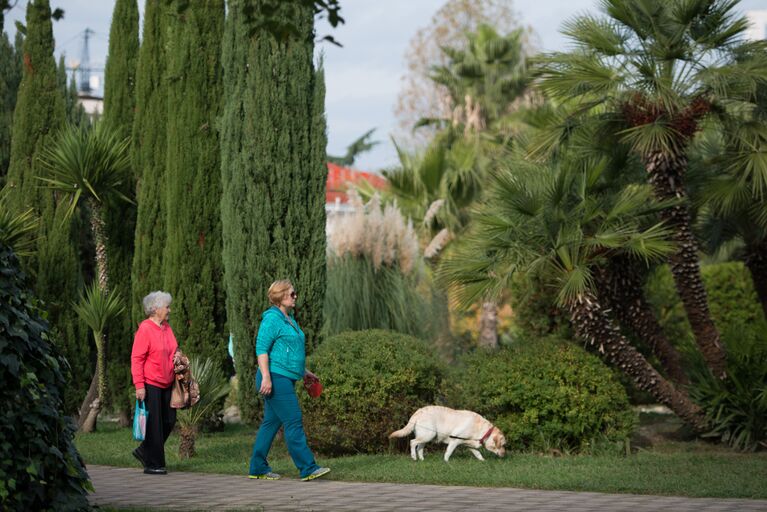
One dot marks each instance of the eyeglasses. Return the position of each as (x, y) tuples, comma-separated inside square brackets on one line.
[(293, 295)]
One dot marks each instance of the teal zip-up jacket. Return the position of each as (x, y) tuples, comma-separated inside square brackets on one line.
[(283, 342)]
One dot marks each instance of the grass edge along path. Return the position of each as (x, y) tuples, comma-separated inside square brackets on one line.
[(692, 469)]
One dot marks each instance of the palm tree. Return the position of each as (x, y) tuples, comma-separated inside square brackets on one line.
[(360, 145), (484, 79), (213, 388), (97, 309), (732, 170), (648, 73), (620, 283), (436, 188), (550, 222), (91, 166), (17, 229)]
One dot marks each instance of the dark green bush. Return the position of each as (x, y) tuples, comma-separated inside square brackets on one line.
[(40, 468), (542, 395), (736, 407), (373, 381)]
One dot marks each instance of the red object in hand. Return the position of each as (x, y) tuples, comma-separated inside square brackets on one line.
[(313, 386)]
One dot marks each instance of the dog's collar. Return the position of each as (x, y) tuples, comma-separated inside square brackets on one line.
[(487, 434)]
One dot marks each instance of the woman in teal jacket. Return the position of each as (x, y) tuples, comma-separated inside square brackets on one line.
[(281, 362)]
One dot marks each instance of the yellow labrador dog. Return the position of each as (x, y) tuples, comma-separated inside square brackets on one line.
[(454, 428)]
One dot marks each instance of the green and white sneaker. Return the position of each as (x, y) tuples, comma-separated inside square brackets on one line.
[(266, 476), (316, 474)]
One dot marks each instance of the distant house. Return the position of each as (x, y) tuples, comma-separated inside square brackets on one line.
[(336, 198)]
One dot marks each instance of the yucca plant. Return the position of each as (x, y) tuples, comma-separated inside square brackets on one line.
[(647, 74), (91, 166), (551, 221), (17, 229), (97, 309), (213, 389)]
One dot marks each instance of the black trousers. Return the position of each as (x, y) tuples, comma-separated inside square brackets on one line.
[(159, 425)]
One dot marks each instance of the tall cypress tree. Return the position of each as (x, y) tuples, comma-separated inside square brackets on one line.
[(149, 157), (120, 217), (38, 115), (75, 112), (39, 108), (192, 258), (10, 63), (273, 169), (120, 70)]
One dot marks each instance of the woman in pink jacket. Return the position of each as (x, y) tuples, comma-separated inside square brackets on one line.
[(152, 368)]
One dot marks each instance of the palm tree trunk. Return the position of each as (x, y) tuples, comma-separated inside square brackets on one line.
[(98, 228), (756, 262), (666, 177), (620, 286), (94, 401), (594, 326), (488, 325), (85, 407), (187, 437)]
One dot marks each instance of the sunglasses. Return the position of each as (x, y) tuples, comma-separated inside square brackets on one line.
[(293, 295)]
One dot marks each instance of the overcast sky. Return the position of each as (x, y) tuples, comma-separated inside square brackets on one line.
[(364, 77)]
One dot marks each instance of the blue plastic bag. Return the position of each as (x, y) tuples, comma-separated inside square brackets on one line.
[(139, 421)]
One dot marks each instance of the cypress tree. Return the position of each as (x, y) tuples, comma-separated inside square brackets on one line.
[(38, 115), (75, 113), (192, 257), (273, 169), (10, 63), (149, 156), (120, 217), (39, 108), (120, 70)]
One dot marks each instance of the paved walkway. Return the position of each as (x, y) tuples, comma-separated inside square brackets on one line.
[(127, 487)]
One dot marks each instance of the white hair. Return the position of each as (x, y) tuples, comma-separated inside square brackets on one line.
[(156, 300)]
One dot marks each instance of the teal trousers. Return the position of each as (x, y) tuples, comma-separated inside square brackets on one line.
[(281, 409)]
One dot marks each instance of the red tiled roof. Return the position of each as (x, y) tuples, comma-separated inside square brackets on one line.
[(339, 179)]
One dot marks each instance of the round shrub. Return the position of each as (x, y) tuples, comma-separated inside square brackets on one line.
[(543, 395), (373, 381)]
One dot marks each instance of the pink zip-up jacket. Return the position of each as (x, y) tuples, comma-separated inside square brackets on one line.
[(151, 360)]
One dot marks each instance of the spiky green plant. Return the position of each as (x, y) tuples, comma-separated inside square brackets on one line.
[(97, 309), (213, 389), (90, 165), (17, 229)]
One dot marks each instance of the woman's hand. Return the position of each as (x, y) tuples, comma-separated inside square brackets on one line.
[(141, 394), (266, 385)]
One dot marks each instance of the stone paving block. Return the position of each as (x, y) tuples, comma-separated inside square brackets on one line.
[(182, 491)]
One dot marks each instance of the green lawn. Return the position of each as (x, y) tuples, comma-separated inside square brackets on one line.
[(674, 468)]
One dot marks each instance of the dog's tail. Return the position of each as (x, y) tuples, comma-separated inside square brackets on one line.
[(407, 429)]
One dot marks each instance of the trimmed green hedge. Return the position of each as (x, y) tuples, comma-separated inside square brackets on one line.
[(373, 381), (543, 395)]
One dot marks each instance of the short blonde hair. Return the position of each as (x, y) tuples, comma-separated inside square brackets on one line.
[(155, 301), (277, 291)]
